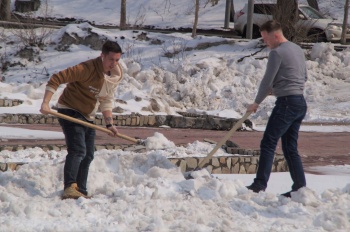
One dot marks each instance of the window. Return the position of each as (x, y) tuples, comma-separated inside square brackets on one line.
[(311, 13), (264, 9)]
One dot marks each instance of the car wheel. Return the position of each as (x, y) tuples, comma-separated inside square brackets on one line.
[(256, 32), (316, 35)]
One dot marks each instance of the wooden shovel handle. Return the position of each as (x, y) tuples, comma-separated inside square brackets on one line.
[(93, 126), (227, 136)]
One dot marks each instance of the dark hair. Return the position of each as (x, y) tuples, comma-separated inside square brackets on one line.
[(271, 26), (110, 46)]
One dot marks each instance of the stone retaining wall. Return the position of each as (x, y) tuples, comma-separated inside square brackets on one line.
[(184, 120), (10, 102), (242, 161), (206, 122)]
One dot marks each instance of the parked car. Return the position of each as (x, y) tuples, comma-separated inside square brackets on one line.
[(317, 26)]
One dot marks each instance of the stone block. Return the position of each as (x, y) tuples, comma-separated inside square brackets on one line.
[(209, 168), (49, 120), (233, 150), (134, 121), (228, 162), (225, 170), (252, 169), (8, 103), (142, 119), (235, 168), (215, 162), (242, 170), (223, 160), (191, 163), (145, 120), (254, 160), (281, 166), (217, 171), (99, 147), (183, 166), (160, 120), (152, 120), (3, 167), (234, 160)]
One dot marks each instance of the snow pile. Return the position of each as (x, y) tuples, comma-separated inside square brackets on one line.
[(145, 192), (158, 141)]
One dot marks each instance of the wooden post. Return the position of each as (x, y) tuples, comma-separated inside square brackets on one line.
[(249, 32), (345, 24), (227, 14)]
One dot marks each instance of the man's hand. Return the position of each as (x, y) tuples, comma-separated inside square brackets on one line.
[(253, 107), (45, 108), (114, 131)]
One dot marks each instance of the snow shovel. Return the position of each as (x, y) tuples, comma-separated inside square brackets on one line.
[(93, 126), (238, 124)]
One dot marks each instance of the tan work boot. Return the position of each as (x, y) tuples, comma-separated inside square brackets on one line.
[(72, 192)]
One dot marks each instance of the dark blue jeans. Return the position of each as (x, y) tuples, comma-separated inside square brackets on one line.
[(80, 142), (284, 122)]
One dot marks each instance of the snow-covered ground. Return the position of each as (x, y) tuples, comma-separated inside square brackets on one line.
[(144, 191)]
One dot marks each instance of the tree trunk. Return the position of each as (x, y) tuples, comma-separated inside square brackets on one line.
[(5, 10), (286, 13), (194, 30), (313, 4), (123, 25), (345, 22)]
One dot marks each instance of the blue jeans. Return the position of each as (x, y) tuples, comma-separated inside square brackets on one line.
[(80, 141), (285, 121)]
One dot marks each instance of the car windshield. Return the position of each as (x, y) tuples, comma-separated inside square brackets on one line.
[(311, 13)]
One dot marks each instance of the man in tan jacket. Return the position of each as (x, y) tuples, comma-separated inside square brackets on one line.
[(90, 85)]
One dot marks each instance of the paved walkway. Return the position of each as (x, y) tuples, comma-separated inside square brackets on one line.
[(316, 149)]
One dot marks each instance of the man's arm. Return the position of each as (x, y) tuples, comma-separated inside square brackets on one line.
[(265, 87), (109, 122), (45, 107)]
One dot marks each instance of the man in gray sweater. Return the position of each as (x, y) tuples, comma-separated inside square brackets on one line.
[(285, 77)]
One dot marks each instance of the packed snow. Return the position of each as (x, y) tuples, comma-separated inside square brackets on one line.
[(145, 191)]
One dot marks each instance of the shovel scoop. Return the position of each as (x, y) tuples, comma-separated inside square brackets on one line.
[(191, 175)]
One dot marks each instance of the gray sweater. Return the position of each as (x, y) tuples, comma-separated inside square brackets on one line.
[(285, 73)]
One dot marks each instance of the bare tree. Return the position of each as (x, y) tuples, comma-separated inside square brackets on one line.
[(5, 10), (287, 15), (123, 24), (313, 4), (346, 16), (196, 11), (32, 35)]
